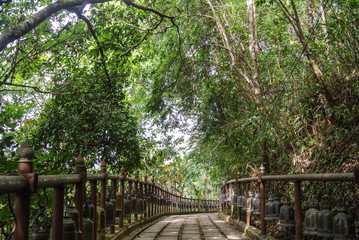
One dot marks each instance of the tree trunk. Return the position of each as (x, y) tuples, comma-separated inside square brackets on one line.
[(24, 27), (311, 57), (222, 33), (253, 46), (310, 18), (251, 86), (323, 22), (254, 53)]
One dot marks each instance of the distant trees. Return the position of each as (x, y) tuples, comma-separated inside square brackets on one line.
[(270, 81)]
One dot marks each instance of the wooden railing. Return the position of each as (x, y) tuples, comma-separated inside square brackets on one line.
[(259, 183), (155, 198)]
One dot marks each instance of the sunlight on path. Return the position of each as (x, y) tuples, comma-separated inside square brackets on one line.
[(204, 226)]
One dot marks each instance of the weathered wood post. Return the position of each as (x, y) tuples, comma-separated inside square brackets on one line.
[(198, 205), (298, 210), (166, 200), (136, 193), (58, 213), (79, 190), (114, 189), (232, 205), (164, 207), (122, 192), (141, 195), (191, 205), (248, 212), (170, 203), (223, 192), (262, 199), (147, 212), (103, 188), (152, 192), (158, 204), (130, 193), (177, 203), (94, 203), (237, 187), (23, 199), (227, 196), (173, 201), (161, 193)]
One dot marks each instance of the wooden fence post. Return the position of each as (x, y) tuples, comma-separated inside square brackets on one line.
[(114, 189), (79, 191), (262, 200), (136, 193), (23, 199), (298, 210), (103, 189), (122, 192), (147, 212)]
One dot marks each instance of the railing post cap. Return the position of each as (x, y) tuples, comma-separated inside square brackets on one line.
[(79, 160), (103, 167), (25, 151), (122, 171), (103, 164), (262, 169)]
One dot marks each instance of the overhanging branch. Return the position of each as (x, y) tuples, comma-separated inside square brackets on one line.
[(139, 42), (37, 89), (5, 1), (103, 58), (19, 30), (36, 19), (147, 9)]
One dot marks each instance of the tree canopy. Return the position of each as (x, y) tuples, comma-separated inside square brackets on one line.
[(250, 82)]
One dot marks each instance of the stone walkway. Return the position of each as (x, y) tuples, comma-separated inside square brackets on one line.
[(205, 226)]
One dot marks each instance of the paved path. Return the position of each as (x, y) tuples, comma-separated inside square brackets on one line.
[(205, 226)]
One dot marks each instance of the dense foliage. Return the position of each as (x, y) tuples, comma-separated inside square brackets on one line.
[(272, 82), (301, 113)]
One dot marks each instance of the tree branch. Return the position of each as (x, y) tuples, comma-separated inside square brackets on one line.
[(196, 15), (147, 9), (33, 52), (103, 58), (139, 42), (19, 30), (5, 1), (295, 22), (163, 30), (218, 45), (133, 26), (179, 38), (135, 45), (138, 28), (83, 51), (160, 14), (36, 19), (36, 89)]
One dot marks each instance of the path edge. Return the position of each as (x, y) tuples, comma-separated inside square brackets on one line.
[(249, 231)]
